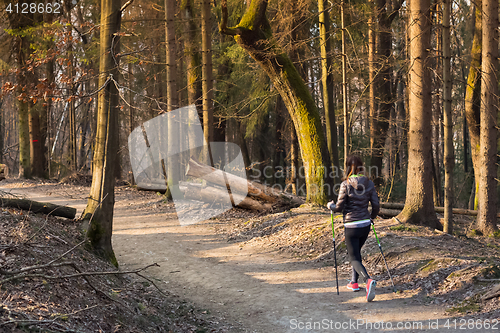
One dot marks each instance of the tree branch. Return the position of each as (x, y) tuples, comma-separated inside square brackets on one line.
[(223, 29), (20, 274), (125, 5)]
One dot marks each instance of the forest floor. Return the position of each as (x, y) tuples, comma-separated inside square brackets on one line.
[(240, 271)]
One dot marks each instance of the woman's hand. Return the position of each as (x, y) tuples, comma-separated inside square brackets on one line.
[(331, 205)]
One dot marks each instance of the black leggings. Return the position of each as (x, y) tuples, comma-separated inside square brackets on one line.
[(354, 240)]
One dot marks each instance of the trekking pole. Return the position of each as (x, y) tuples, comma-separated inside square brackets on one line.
[(335, 253), (380, 247)]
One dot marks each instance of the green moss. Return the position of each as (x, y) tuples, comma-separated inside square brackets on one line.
[(465, 307), (474, 233), (430, 266), (496, 234)]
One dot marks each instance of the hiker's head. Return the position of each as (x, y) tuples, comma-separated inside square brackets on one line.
[(353, 166)]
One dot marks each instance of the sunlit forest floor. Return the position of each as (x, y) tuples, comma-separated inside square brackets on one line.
[(455, 274), (429, 266), (34, 297)]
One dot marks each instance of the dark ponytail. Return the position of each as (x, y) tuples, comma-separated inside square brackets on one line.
[(353, 166)]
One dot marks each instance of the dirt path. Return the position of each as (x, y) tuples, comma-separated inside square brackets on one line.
[(261, 292)]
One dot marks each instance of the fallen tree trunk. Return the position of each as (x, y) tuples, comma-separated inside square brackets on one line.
[(495, 292), (458, 211), (210, 194), (39, 207), (238, 185), (384, 212)]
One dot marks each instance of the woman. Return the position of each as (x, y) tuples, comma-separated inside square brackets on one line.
[(356, 191)]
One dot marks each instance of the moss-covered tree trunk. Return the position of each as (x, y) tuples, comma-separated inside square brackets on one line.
[(473, 95), (99, 210), (253, 33), (487, 189), (191, 53), (419, 206)]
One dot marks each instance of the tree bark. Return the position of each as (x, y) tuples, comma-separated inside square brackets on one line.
[(473, 95), (449, 156), (99, 210), (487, 190), (380, 84), (192, 54), (207, 78), (327, 82), (419, 207), (212, 194), (253, 33), (36, 144), (347, 128), (172, 97), (39, 207), (233, 183)]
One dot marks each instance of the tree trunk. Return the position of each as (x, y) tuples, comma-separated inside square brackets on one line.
[(373, 78), (24, 139), (72, 147), (449, 156), (419, 207), (473, 95), (192, 55), (172, 97), (327, 82), (347, 128), (487, 193), (253, 33), (99, 210), (36, 144), (23, 110), (39, 207), (207, 81), (380, 84)]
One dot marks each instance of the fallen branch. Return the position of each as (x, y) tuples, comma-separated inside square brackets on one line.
[(39, 207), (69, 276), (495, 292), (392, 207)]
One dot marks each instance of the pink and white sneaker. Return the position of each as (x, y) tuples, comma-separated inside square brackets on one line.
[(353, 286), (370, 289)]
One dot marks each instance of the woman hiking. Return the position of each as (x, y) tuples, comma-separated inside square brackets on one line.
[(356, 191)]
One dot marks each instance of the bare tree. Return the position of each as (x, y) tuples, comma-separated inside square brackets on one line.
[(99, 210), (449, 156), (207, 75), (419, 206), (487, 190), (327, 82)]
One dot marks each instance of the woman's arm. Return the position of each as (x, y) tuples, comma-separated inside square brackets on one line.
[(341, 200)]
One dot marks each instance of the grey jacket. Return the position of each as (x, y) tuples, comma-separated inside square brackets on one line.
[(354, 196)]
